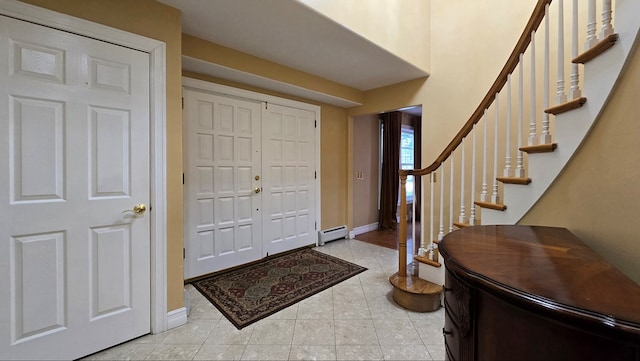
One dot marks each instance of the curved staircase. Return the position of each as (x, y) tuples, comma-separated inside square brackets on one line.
[(523, 125)]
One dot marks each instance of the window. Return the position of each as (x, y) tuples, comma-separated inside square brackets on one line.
[(406, 157)]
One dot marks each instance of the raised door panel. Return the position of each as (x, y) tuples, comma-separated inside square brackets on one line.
[(37, 285)]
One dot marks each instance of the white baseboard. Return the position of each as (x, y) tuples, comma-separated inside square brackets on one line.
[(363, 229), (176, 318)]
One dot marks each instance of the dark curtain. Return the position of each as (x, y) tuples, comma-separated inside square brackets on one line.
[(416, 122), (392, 127)]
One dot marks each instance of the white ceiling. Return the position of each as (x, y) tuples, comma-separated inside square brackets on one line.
[(289, 33)]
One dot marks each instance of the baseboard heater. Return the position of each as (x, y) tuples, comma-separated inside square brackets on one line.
[(332, 234)]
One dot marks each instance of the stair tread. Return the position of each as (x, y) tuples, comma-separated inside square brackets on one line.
[(540, 148), (460, 224), (496, 206), (514, 180), (414, 284), (566, 106), (426, 260), (596, 50)]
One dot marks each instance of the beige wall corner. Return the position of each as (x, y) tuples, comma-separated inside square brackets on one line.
[(596, 197), (403, 27), (157, 21), (217, 54)]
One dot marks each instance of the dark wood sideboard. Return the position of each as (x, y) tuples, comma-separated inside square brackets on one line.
[(535, 293)]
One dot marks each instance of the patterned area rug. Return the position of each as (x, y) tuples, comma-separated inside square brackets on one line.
[(250, 293)]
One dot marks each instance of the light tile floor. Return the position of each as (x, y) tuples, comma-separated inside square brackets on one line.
[(354, 320)]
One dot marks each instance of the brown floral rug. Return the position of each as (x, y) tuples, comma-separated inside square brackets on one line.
[(250, 293)]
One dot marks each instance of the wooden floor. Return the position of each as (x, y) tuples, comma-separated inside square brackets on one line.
[(389, 239)]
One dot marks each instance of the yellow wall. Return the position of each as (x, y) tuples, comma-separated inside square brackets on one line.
[(334, 157), (400, 26), (596, 197), (154, 20)]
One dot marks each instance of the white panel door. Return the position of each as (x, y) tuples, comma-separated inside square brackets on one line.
[(74, 154), (222, 155), (289, 178)]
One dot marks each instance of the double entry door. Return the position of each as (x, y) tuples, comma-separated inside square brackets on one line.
[(249, 180)]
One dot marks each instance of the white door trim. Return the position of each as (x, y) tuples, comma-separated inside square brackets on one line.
[(157, 61), (251, 95)]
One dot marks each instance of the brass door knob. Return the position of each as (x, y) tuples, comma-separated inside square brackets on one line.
[(137, 209), (256, 190)]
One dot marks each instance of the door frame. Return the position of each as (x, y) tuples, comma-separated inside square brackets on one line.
[(157, 131), (219, 89)]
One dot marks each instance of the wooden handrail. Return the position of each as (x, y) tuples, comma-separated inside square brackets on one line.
[(509, 67), (511, 64)]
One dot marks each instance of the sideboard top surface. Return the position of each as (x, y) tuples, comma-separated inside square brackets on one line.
[(548, 264)]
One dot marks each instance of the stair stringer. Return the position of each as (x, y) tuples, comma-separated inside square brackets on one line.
[(572, 128)]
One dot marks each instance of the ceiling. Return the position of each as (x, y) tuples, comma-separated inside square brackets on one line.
[(289, 33)]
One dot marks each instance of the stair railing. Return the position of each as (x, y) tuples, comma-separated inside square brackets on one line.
[(538, 134)]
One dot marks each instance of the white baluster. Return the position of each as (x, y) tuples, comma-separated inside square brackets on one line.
[(484, 195), (472, 216), (431, 229), (519, 166), (451, 194), (532, 120), (423, 244), (561, 97), (507, 158), (494, 194), (592, 26), (462, 215), (607, 29), (574, 91), (413, 214), (545, 137), (441, 228)]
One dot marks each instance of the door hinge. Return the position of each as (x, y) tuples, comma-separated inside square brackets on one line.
[(315, 225), (182, 103), (315, 123), (183, 178), (315, 175), (184, 253)]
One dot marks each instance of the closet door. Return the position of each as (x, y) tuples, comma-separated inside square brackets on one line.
[(222, 187), (288, 216), (74, 190)]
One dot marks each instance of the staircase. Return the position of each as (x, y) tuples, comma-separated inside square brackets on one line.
[(527, 127)]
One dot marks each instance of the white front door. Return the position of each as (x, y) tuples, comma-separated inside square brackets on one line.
[(74, 161), (288, 198), (250, 183), (222, 155)]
